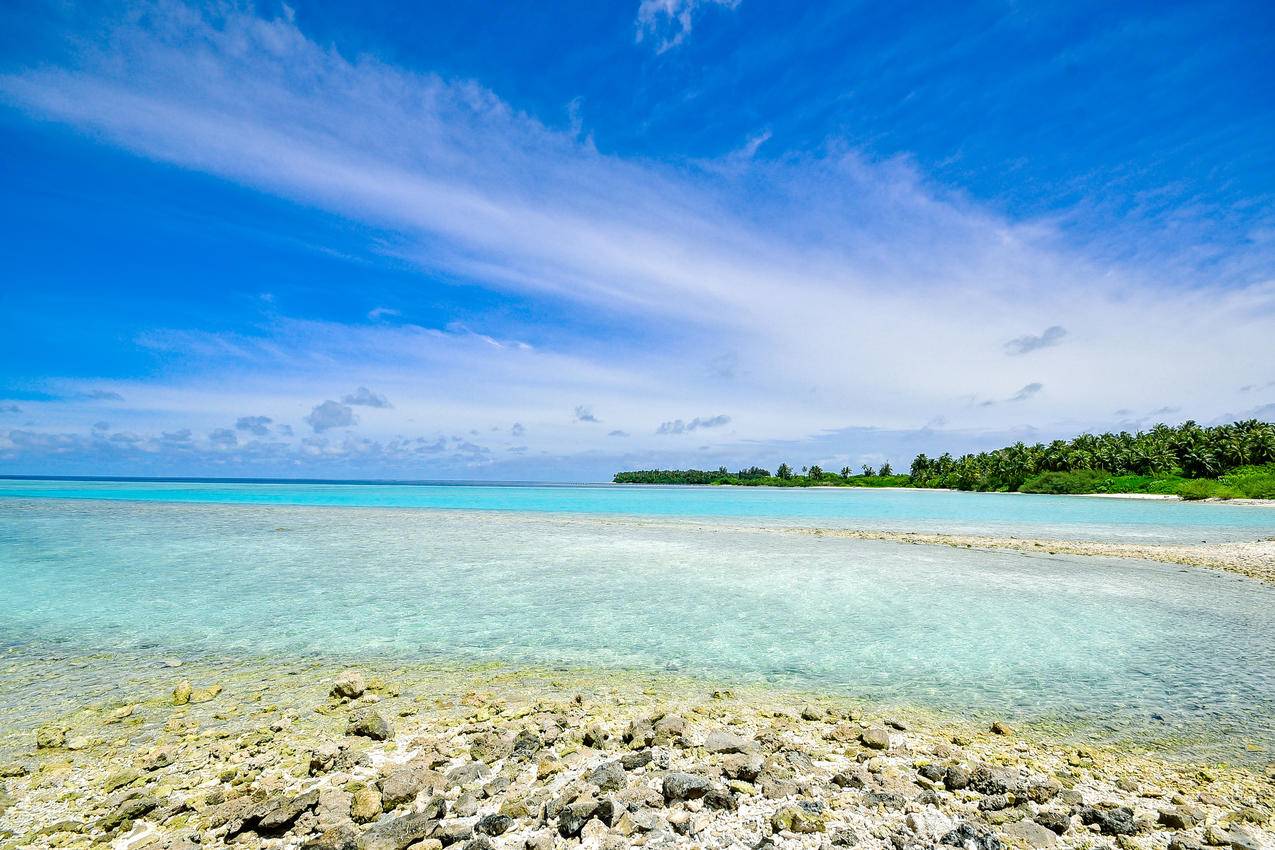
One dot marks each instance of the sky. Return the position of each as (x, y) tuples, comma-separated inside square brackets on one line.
[(530, 241)]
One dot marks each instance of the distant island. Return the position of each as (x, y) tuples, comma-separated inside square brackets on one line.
[(1191, 461)]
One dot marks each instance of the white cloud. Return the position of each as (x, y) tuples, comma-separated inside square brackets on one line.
[(330, 414), (864, 294), (667, 23)]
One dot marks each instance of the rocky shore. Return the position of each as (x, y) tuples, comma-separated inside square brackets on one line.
[(389, 759)]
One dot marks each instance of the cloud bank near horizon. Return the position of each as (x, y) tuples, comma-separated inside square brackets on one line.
[(805, 294)]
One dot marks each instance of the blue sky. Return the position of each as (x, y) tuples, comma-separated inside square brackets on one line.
[(523, 242)]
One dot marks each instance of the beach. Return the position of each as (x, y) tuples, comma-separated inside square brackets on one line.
[(181, 673), (307, 755)]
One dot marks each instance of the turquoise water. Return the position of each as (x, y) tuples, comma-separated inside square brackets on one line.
[(1126, 649), (1074, 517)]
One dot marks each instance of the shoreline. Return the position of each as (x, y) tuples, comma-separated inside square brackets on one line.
[(1252, 559), (535, 758)]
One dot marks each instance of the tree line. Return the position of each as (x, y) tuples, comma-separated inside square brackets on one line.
[(1188, 459), (1187, 450)]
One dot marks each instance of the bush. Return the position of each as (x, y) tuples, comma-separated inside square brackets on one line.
[(1207, 488), (1074, 483), (1252, 482)]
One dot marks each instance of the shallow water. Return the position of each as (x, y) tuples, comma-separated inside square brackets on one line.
[(1126, 649), (1064, 517)]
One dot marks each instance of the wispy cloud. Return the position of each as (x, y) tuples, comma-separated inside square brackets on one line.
[(667, 23), (1027, 392), (1052, 335), (678, 426), (584, 413), (811, 257)]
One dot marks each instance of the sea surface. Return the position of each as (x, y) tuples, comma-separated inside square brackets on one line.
[(703, 582), (1026, 515)]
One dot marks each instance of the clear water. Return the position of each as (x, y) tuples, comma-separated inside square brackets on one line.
[(1072, 517), (1124, 648)]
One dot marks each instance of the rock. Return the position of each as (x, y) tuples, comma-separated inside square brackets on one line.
[(875, 738), (885, 799), (205, 694), (987, 780), (436, 808), (50, 737), (349, 684), (13, 770), (397, 833), (798, 820), (632, 761), (369, 724), (339, 837), (570, 822), (526, 744), (1044, 790), (994, 803), (494, 825), (1110, 821), (929, 823), (743, 766), (366, 804), (595, 736), (488, 747), (1002, 728), (725, 742), (854, 778), (1031, 833), (127, 812), (403, 782), (669, 728), (1236, 837), (593, 832), (467, 774), (119, 778), (813, 713), (159, 757), (283, 812), (541, 840), (322, 758), (957, 778), (721, 799), (1056, 822), (181, 693), (684, 786), (969, 838), (608, 777), (932, 772), (1183, 842), (466, 805), (1177, 818)]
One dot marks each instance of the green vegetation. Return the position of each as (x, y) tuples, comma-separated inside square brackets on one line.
[(1226, 461), (1194, 462)]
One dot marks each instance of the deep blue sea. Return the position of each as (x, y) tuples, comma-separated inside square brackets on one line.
[(705, 581)]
